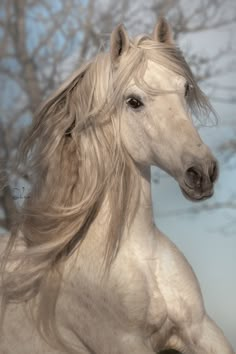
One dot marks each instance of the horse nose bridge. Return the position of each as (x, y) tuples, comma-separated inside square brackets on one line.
[(199, 156), (202, 150), (190, 133)]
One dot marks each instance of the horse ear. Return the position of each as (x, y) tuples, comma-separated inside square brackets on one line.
[(119, 42), (162, 32)]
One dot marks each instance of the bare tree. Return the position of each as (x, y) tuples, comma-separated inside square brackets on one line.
[(40, 40)]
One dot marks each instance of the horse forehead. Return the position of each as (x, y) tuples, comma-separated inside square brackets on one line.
[(158, 76)]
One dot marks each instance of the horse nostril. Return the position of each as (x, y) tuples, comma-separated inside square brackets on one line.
[(213, 174), (193, 177)]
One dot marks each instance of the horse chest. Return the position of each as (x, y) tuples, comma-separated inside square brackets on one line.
[(138, 297), (127, 302)]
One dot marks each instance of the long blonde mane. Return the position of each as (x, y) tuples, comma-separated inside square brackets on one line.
[(75, 159)]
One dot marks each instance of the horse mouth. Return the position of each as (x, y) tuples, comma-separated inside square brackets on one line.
[(195, 196)]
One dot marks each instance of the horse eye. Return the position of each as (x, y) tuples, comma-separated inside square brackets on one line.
[(134, 102), (187, 89)]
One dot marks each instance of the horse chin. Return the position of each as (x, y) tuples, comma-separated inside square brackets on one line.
[(195, 196)]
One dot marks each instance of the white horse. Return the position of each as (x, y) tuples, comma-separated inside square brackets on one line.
[(86, 270)]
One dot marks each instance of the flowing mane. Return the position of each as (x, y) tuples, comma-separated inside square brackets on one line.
[(75, 157)]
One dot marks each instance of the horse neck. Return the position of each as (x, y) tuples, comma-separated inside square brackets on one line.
[(136, 232), (143, 220)]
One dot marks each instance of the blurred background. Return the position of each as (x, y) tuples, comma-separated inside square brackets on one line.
[(43, 41)]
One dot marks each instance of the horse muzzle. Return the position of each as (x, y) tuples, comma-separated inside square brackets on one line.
[(198, 181)]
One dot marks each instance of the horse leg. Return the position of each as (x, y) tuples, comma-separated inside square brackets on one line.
[(207, 339), (140, 349)]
